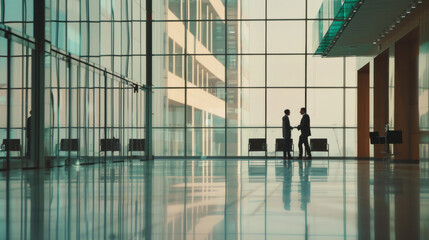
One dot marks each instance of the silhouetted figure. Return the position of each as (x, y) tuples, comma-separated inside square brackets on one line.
[(304, 127), (287, 135), (28, 126)]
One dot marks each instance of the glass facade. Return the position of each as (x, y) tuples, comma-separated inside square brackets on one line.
[(223, 72), (93, 85)]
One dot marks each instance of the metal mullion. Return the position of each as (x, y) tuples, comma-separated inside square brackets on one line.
[(202, 88), (86, 118), (23, 96), (79, 104), (344, 106), (105, 114), (8, 107), (238, 20), (306, 52), (266, 80), (226, 79), (93, 117), (226, 116), (130, 109), (240, 87), (122, 123), (185, 74), (66, 23), (112, 35), (149, 83), (221, 54), (265, 127), (69, 66), (26, 90)]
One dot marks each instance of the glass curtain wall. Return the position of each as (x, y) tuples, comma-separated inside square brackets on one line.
[(105, 102), (224, 71), (94, 80)]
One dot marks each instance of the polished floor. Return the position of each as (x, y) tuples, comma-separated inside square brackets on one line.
[(217, 199)]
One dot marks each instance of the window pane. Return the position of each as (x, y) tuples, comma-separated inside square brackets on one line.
[(206, 37), (335, 141), (206, 107), (252, 107), (281, 99), (164, 33), (253, 72), (169, 142), (205, 142), (286, 9), (325, 72), (169, 108), (313, 8), (286, 71), (250, 39), (351, 142), (238, 140), (351, 107), (252, 9), (286, 37), (351, 72), (164, 71), (325, 107), (205, 71)]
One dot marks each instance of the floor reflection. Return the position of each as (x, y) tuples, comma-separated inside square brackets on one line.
[(217, 199)]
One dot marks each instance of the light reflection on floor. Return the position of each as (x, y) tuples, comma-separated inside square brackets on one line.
[(217, 199)]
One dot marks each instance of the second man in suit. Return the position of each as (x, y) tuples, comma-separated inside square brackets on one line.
[(304, 127)]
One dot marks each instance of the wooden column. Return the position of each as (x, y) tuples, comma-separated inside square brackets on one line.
[(363, 112), (406, 96), (381, 98)]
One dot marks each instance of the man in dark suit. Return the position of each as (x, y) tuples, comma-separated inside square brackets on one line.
[(304, 127), (287, 135)]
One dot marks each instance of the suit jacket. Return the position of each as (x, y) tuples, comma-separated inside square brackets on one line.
[(304, 126), (286, 127)]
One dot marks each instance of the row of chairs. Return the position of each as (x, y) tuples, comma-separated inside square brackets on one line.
[(72, 144), (260, 145), (113, 145)]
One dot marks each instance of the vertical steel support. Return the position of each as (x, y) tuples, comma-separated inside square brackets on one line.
[(38, 88), (149, 84), (8, 101)]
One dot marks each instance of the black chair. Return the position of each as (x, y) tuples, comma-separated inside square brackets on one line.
[(280, 146), (12, 145), (376, 138), (69, 144), (319, 145), (110, 145), (257, 145), (136, 145), (394, 137)]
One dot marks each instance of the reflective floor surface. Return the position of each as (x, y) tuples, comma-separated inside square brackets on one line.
[(217, 199)]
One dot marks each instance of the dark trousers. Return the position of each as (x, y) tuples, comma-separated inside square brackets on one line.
[(286, 147), (304, 140)]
